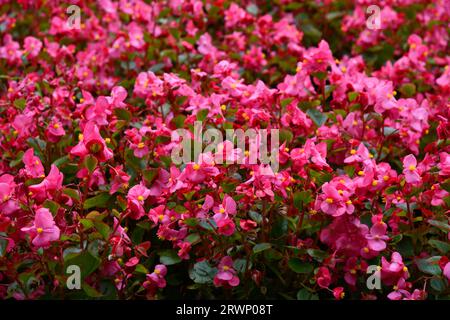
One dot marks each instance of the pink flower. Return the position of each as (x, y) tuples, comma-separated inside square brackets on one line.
[(323, 277), (391, 272), (338, 293), (136, 198), (224, 224), (447, 271), (156, 278), (226, 274), (197, 173), (33, 165), (377, 237), (44, 229), (48, 187), (91, 142), (32, 46), (228, 206), (410, 169), (55, 130)]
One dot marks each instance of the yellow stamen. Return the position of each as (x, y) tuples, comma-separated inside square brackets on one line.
[(329, 200), (39, 230)]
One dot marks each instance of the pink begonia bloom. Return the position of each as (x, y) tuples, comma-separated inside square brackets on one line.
[(323, 277), (44, 229), (91, 142), (98, 112), (333, 201), (377, 237), (360, 155), (7, 186), (117, 98), (447, 271), (228, 206), (199, 172), (392, 271), (226, 274), (224, 224), (148, 84), (157, 214), (47, 188), (156, 278), (410, 169), (136, 35), (174, 183), (119, 179), (54, 130), (136, 197), (33, 165), (32, 46), (444, 164)]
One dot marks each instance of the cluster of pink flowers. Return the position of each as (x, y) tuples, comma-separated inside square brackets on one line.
[(89, 119)]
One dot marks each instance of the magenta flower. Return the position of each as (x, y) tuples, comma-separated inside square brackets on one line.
[(44, 230), (226, 274), (156, 278), (91, 142), (410, 169), (33, 165), (377, 237), (48, 187)]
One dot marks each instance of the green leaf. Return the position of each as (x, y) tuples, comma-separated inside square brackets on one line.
[(3, 246), (98, 201), (169, 257), (201, 115), (437, 284), (440, 225), (298, 266), (302, 198), (90, 291), (123, 114), (285, 136), (352, 96), (141, 269), (408, 90), (20, 103), (90, 162), (317, 254), (429, 265), (442, 246), (305, 294), (103, 229), (193, 238), (261, 247), (72, 193), (202, 273), (85, 260), (387, 131), (318, 117)]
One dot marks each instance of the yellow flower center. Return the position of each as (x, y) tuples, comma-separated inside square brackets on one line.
[(39, 230), (140, 198), (348, 202), (223, 107), (412, 168), (385, 178), (196, 166), (56, 126), (157, 271), (141, 145), (221, 210), (161, 217), (329, 200), (353, 151), (360, 173), (374, 183), (226, 268)]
